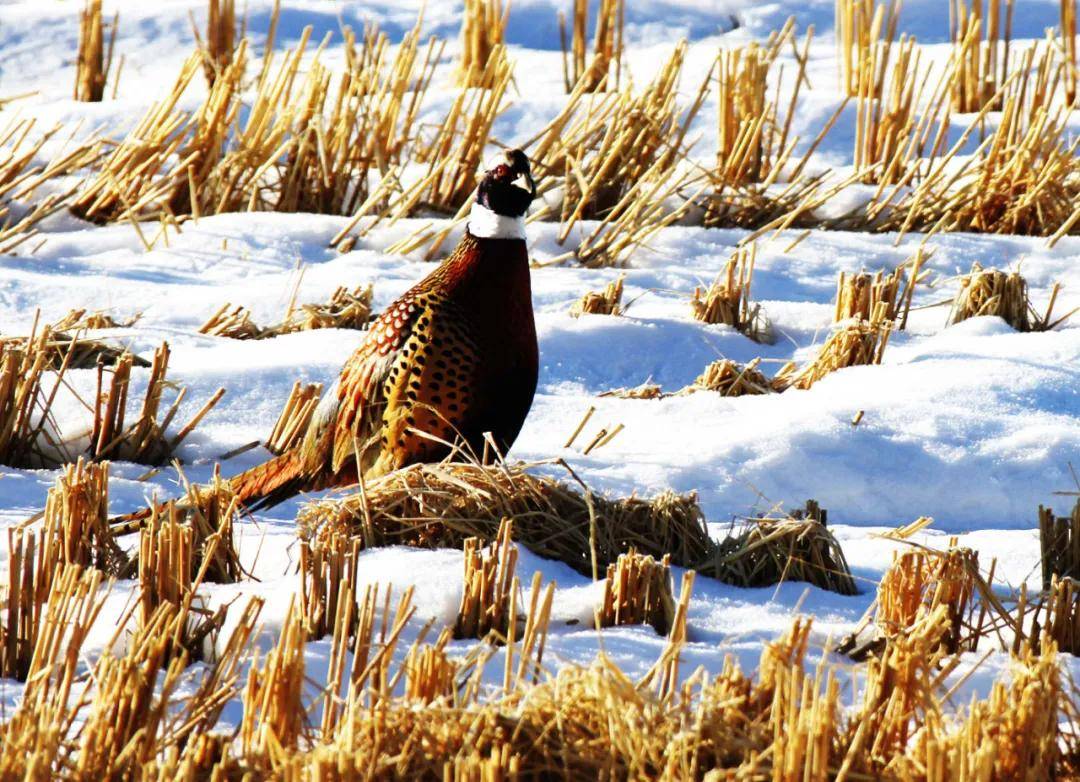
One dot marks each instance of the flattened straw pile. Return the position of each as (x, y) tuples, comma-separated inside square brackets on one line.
[(728, 378), (293, 422), (144, 440), (440, 505), (1001, 294), (638, 591), (770, 551), (593, 76), (483, 28), (607, 302), (976, 33), (345, 310), (490, 585), (860, 26), (727, 300), (95, 56), (1059, 540), (857, 342)]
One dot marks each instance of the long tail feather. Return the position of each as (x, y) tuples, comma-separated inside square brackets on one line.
[(271, 482)]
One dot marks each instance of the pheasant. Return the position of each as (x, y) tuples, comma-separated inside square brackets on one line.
[(454, 357)]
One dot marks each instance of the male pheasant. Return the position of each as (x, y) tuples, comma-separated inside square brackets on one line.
[(454, 358)]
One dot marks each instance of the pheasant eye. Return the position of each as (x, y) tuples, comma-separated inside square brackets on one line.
[(501, 171)]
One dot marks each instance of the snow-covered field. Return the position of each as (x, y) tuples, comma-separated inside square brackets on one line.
[(974, 425)]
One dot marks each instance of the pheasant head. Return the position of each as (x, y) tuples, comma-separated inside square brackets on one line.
[(501, 203)]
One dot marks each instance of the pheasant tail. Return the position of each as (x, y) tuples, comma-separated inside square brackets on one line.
[(271, 482)]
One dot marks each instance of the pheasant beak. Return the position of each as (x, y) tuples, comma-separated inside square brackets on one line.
[(519, 164)]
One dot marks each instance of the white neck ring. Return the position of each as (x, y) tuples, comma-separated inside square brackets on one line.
[(485, 224)]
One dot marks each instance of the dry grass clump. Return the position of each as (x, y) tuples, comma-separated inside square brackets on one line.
[(1057, 618), (22, 424), (43, 601), (144, 439), (293, 422), (1021, 180), (594, 76), (82, 319), (490, 584), (919, 582), (1013, 734), (65, 351), (861, 25), (483, 28), (438, 505), (638, 591), (584, 722), (858, 295), (345, 309), (1068, 45), (890, 137), (328, 585), (130, 179), (615, 159), (1001, 294), (301, 142), (1059, 541), (95, 56), (274, 716), (21, 175), (219, 48), (856, 343), (753, 144), (606, 302), (770, 551), (727, 300), (646, 390), (729, 378), (982, 64), (455, 153), (76, 520), (232, 322), (121, 719)]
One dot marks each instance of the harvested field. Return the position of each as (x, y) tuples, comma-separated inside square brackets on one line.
[(777, 251)]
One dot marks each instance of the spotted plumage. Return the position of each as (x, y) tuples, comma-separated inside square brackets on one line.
[(452, 359)]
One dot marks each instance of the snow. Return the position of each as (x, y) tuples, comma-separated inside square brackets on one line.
[(974, 425)]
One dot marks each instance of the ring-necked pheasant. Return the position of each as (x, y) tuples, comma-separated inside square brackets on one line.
[(455, 356)]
